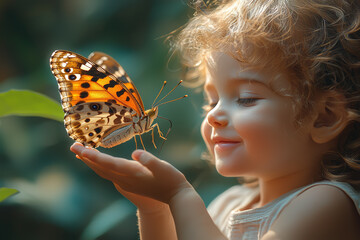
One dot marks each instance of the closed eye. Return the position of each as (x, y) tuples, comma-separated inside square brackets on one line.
[(247, 101)]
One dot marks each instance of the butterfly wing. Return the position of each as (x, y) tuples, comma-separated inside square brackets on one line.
[(91, 122), (81, 80), (112, 66), (94, 101)]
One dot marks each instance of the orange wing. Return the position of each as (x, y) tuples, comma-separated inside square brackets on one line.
[(81, 80), (110, 65)]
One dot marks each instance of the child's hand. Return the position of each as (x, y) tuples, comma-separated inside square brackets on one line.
[(147, 177)]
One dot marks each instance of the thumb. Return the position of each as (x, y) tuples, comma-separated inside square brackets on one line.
[(147, 159)]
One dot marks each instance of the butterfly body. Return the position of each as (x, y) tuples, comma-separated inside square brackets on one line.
[(102, 106), (124, 134)]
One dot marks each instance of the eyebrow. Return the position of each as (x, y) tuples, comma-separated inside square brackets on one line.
[(237, 79), (248, 80), (260, 82)]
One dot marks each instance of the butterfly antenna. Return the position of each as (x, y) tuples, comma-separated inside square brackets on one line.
[(168, 93), (172, 100), (166, 133), (152, 106)]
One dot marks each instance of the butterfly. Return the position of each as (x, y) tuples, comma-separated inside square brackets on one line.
[(101, 104)]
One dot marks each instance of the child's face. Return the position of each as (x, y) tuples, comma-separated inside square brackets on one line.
[(250, 128)]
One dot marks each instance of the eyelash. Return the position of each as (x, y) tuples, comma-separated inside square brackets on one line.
[(240, 101), (245, 101)]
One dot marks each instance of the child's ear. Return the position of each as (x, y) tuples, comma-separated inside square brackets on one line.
[(330, 117)]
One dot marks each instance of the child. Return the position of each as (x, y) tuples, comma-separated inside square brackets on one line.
[(282, 79)]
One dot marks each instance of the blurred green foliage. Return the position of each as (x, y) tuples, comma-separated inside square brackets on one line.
[(60, 198), (6, 193), (29, 103)]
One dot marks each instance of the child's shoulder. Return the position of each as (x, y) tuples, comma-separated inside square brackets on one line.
[(323, 211), (233, 198), (236, 194)]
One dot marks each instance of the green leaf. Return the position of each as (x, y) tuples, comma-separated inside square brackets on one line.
[(7, 192), (106, 219), (29, 103)]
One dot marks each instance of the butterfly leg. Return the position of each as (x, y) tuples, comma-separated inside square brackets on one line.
[(135, 142), (159, 131), (152, 137), (142, 143)]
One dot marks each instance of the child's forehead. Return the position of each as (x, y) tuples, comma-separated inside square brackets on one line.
[(223, 68)]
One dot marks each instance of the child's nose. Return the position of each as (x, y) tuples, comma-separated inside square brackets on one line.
[(217, 118)]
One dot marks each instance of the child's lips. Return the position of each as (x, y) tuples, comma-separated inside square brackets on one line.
[(225, 145), (222, 144)]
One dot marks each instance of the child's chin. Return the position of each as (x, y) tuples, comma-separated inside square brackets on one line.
[(229, 170)]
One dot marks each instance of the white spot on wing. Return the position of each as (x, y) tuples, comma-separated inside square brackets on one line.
[(88, 64), (102, 60), (100, 70), (85, 67), (121, 71)]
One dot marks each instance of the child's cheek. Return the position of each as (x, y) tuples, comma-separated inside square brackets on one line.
[(262, 133)]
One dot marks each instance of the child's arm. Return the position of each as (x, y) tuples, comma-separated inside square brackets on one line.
[(162, 187), (154, 217)]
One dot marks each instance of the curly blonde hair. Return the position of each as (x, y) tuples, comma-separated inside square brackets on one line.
[(318, 41)]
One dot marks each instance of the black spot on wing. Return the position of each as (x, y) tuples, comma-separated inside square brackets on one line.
[(95, 106), (80, 107), (98, 130), (111, 101), (84, 94), (112, 110), (96, 73), (121, 92), (111, 84), (85, 85)]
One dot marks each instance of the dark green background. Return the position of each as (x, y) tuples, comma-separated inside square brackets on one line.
[(60, 198)]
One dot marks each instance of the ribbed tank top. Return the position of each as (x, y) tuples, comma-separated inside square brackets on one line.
[(254, 223)]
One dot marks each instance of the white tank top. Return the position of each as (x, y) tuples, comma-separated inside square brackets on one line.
[(254, 223)]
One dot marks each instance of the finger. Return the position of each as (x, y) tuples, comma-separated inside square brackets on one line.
[(97, 169), (87, 147), (77, 148), (119, 165), (107, 174), (150, 161)]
